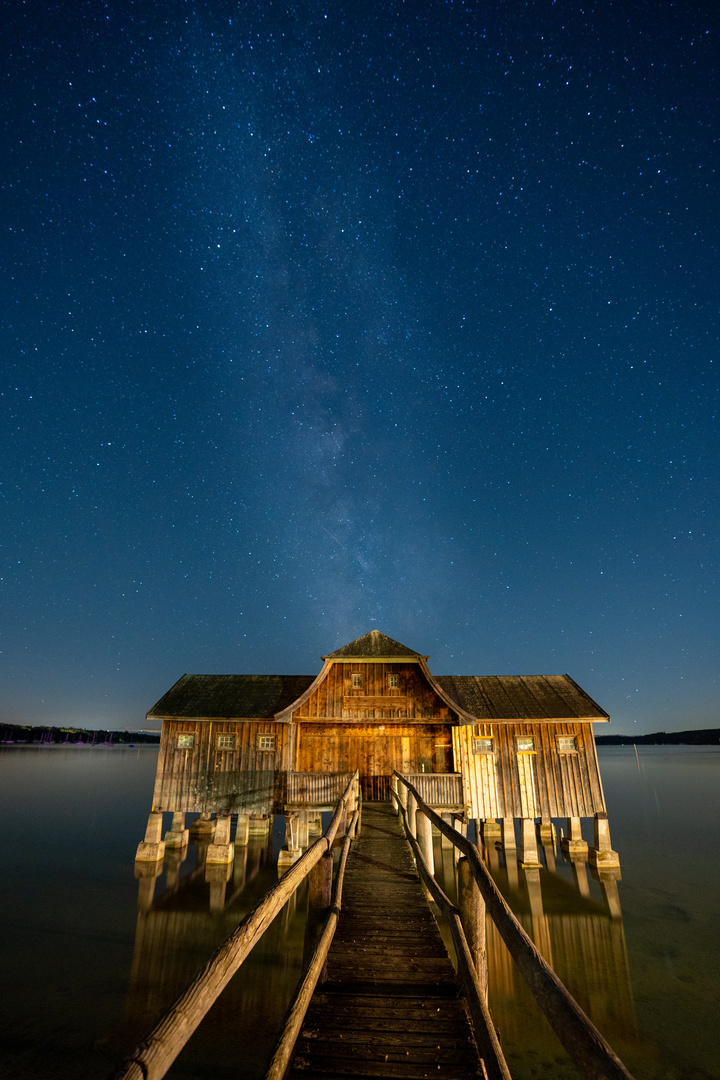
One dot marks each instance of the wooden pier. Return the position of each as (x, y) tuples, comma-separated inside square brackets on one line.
[(390, 1005)]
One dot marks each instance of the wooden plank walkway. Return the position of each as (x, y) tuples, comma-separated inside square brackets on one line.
[(389, 1007)]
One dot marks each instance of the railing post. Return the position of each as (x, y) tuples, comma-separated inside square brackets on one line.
[(472, 912), (425, 840)]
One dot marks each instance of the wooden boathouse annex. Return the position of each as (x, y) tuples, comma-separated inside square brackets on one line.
[(496, 747)]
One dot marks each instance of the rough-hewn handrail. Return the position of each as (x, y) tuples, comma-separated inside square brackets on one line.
[(156, 1053), (301, 1002), (483, 1028), (591, 1053)]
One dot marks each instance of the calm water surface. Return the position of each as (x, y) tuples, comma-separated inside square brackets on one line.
[(84, 973)]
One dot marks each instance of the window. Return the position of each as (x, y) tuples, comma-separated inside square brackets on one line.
[(525, 744), (567, 744), (186, 742), (356, 680), (393, 681), (226, 742), (482, 746), (266, 742)]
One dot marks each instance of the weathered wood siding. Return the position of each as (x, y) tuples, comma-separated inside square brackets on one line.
[(374, 699), (208, 777), (546, 782), (375, 750)]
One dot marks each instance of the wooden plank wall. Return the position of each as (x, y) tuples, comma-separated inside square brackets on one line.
[(565, 784), (204, 778), (375, 699)]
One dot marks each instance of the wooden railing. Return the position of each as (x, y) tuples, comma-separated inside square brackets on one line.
[(315, 788), (156, 1053), (439, 789), (592, 1055)]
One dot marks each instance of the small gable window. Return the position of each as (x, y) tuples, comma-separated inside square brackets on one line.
[(482, 746), (185, 741), (356, 679), (226, 742), (393, 681), (266, 742), (567, 744)]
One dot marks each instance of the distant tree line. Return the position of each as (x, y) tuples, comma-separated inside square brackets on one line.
[(22, 733), (698, 737)]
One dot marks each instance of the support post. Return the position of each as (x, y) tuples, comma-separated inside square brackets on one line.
[(292, 850), (508, 834), (602, 855), (472, 913), (259, 825), (528, 849), (445, 841), (573, 844), (242, 830), (221, 850), (425, 839), (203, 828), (545, 832), (152, 848), (177, 836), (302, 830), (490, 831)]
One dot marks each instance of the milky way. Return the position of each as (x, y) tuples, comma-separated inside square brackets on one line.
[(330, 317)]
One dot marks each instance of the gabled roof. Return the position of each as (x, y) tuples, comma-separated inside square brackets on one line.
[(521, 697), (227, 696), (372, 646)]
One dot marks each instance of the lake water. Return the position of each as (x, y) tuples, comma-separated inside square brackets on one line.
[(84, 973)]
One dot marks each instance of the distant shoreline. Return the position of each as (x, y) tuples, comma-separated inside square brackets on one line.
[(697, 737), (28, 735)]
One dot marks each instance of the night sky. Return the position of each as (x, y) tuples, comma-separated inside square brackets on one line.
[(321, 318)]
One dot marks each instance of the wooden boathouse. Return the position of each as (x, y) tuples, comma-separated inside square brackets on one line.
[(497, 747), (422, 754)]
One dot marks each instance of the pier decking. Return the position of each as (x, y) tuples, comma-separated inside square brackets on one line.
[(390, 1005)]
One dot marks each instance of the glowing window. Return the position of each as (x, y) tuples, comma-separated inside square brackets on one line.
[(266, 742), (566, 743), (185, 742), (226, 742), (525, 744)]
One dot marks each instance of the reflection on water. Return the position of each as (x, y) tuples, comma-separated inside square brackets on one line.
[(93, 954), (572, 913), (186, 908)]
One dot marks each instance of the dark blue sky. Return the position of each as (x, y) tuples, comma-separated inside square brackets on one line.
[(327, 317)]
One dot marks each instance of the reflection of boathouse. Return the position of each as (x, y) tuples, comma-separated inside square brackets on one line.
[(509, 746)]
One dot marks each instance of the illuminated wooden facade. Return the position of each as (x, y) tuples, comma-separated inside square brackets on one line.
[(523, 745)]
